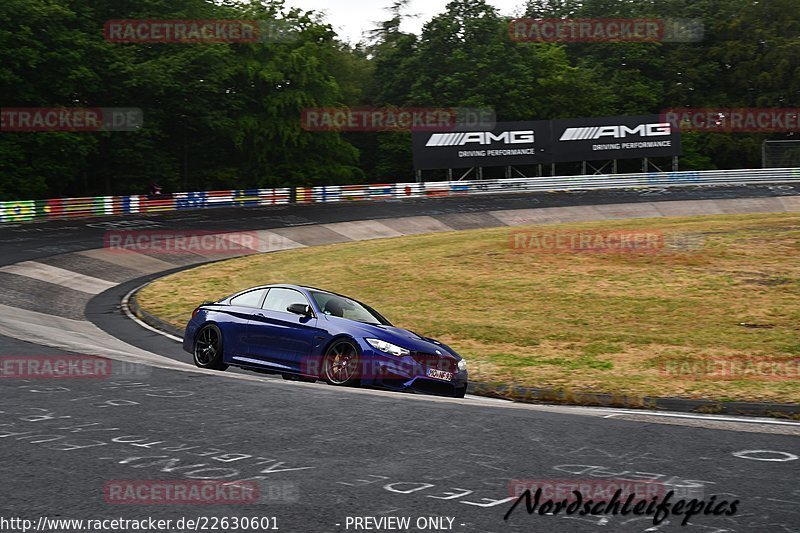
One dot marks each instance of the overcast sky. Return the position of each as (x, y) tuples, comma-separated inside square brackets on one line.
[(351, 17)]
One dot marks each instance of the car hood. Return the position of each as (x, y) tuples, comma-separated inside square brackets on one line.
[(399, 336)]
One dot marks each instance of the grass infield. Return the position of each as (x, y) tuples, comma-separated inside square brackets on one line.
[(706, 307)]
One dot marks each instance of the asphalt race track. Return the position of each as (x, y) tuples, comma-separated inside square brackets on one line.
[(320, 455)]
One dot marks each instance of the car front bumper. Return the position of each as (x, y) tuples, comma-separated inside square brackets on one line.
[(406, 373)]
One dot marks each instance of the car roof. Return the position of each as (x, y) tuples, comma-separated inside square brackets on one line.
[(299, 287)]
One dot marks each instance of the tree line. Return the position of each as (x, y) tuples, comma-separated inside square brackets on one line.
[(228, 115)]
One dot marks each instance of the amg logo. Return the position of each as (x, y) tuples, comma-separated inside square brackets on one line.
[(480, 137), (616, 132)]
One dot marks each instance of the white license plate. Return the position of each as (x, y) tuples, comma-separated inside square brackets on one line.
[(440, 374)]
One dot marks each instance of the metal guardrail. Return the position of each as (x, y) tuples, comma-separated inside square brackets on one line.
[(609, 181), (666, 179), (59, 208)]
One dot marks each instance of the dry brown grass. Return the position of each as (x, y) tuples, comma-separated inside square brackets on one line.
[(600, 322)]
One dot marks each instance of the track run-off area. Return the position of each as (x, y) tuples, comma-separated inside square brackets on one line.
[(323, 456)]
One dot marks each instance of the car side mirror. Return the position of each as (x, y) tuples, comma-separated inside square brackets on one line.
[(300, 309)]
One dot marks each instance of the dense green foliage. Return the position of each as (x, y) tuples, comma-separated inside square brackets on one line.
[(228, 115)]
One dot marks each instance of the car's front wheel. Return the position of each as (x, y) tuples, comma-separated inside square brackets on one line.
[(341, 363), (208, 348)]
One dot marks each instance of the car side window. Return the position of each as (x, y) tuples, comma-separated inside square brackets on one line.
[(250, 298), (279, 299)]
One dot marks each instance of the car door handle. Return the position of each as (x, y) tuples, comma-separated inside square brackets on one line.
[(260, 315)]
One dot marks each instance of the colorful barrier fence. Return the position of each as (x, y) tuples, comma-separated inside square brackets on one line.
[(59, 208)]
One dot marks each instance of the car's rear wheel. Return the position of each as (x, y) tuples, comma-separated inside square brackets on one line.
[(341, 363), (208, 348)]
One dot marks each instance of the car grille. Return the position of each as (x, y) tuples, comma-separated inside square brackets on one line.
[(439, 362)]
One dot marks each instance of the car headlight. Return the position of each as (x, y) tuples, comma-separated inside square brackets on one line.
[(462, 366), (388, 347)]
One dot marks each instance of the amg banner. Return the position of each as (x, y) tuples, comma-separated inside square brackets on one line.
[(507, 143), (627, 137), (545, 141)]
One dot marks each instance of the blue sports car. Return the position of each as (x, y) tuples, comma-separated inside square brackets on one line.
[(307, 334)]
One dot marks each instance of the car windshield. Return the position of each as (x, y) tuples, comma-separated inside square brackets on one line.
[(334, 305)]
